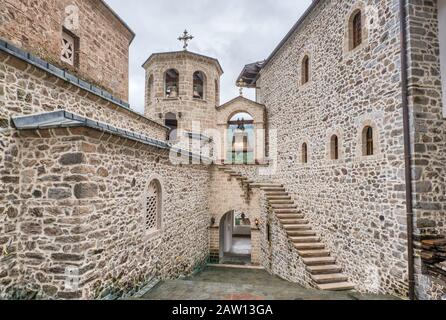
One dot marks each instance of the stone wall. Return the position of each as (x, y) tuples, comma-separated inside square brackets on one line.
[(104, 41), (429, 134), (26, 90), (279, 255), (228, 195), (356, 203), (79, 214), (9, 213)]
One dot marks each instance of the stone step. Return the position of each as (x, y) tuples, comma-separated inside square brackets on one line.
[(305, 239), (337, 286), (313, 253), (283, 206), (320, 261), (290, 216), (329, 278), (309, 246), (263, 185), (288, 220), (273, 198), (299, 221), (297, 227), (272, 189), (286, 211), (301, 233), (291, 202), (278, 193), (324, 269)]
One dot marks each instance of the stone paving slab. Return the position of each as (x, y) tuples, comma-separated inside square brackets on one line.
[(244, 284)]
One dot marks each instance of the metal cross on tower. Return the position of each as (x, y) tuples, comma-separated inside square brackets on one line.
[(186, 37)]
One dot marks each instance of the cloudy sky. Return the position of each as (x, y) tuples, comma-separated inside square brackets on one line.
[(236, 32)]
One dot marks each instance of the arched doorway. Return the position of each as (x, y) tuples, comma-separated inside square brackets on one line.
[(241, 138), (235, 238)]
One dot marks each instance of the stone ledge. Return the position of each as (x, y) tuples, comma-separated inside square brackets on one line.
[(23, 60), (30, 126)]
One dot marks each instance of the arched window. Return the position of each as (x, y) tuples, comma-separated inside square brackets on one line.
[(150, 89), (334, 146), (199, 85), (305, 70), (304, 153), (241, 137), (171, 83), (355, 29), (171, 122), (368, 141), (152, 221)]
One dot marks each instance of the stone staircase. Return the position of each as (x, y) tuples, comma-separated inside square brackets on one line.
[(319, 262)]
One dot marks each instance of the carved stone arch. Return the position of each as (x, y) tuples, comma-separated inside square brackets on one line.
[(330, 154), (362, 138), (304, 151), (358, 7), (305, 68), (305, 55), (153, 204), (241, 111)]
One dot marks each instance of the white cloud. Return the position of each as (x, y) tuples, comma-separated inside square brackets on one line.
[(236, 32)]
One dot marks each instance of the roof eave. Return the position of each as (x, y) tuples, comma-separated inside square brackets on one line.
[(296, 26), (153, 55)]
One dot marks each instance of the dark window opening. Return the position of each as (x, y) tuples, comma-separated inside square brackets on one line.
[(334, 147), (305, 70), (356, 27), (171, 84), (199, 85), (268, 232), (368, 141), (304, 153), (171, 122)]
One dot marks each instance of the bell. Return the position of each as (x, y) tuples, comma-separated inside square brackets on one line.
[(240, 141)]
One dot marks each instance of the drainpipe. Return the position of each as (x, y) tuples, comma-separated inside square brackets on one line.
[(407, 149)]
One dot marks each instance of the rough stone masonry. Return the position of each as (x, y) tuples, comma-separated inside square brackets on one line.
[(96, 205)]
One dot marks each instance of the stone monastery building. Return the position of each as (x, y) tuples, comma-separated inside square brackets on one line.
[(336, 173)]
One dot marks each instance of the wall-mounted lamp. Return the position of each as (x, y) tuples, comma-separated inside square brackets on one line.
[(257, 222), (160, 115), (212, 221), (180, 115)]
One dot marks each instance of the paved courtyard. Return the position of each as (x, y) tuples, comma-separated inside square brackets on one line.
[(229, 283)]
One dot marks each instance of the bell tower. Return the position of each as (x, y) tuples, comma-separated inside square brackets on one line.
[(182, 89)]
